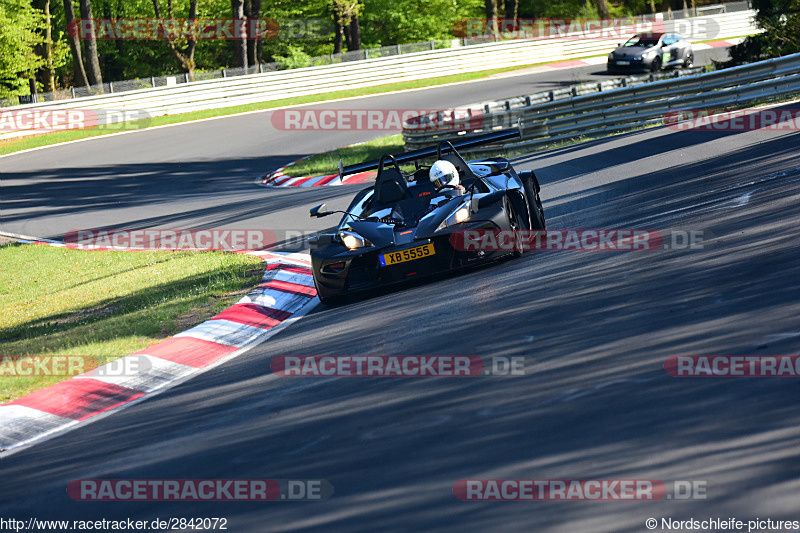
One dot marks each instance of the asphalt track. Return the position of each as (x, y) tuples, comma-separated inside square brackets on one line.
[(200, 175), (594, 328)]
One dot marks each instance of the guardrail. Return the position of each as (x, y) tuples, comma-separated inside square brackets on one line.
[(213, 94), (626, 107), (483, 116)]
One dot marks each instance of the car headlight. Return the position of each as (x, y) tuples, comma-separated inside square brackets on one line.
[(353, 240), (460, 214)]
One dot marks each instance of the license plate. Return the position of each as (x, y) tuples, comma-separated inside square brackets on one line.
[(623, 62), (403, 256)]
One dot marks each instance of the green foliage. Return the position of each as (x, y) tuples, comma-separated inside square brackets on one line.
[(296, 58), (21, 31), (781, 24), (387, 22)]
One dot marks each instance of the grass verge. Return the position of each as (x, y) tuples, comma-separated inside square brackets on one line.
[(328, 162), (57, 301)]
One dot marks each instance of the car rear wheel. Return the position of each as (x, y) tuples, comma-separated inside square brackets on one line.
[(689, 61), (514, 219)]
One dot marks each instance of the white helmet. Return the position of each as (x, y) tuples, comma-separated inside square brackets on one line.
[(444, 173)]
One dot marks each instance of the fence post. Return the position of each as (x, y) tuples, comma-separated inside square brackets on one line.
[(433, 46), (73, 92), (224, 73), (111, 87), (366, 53)]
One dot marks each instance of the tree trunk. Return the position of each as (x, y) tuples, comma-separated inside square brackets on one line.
[(353, 34), (511, 9), (92, 61), (252, 10), (237, 9), (602, 9), (185, 59), (338, 38), (75, 46), (491, 17), (50, 78)]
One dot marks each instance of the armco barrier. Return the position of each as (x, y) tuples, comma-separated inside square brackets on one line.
[(218, 93), (629, 107)]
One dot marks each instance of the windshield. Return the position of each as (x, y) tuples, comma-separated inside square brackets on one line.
[(647, 42)]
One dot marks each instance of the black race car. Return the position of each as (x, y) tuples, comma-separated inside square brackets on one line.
[(653, 52), (405, 227)]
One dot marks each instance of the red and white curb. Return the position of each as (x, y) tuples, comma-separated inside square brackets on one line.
[(278, 179), (286, 292)]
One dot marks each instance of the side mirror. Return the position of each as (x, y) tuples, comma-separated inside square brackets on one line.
[(319, 211), (491, 198)]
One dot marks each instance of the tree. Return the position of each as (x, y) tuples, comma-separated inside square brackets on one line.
[(92, 60), (602, 9), (79, 71), (347, 25), (23, 27), (252, 10), (511, 9), (185, 57), (491, 17), (780, 21), (240, 45)]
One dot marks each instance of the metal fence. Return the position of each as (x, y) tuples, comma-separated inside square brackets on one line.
[(626, 108)]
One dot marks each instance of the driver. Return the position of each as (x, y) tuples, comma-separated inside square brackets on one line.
[(444, 177)]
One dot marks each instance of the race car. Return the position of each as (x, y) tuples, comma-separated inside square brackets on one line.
[(407, 224), (653, 52)]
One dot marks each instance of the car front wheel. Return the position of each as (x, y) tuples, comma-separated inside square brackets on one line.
[(655, 66)]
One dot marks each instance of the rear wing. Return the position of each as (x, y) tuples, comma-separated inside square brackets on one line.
[(405, 157)]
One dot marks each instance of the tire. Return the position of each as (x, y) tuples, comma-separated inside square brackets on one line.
[(515, 224), (655, 66), (538, 222), (535, 210), (689, 61)]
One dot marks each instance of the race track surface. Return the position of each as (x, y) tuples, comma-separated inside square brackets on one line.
[(594, 328)]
